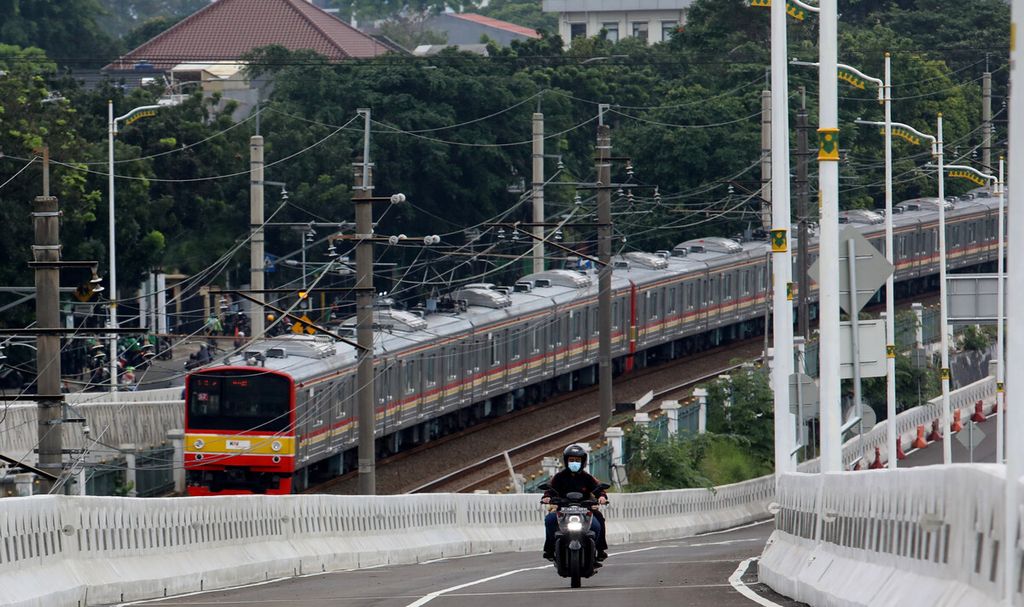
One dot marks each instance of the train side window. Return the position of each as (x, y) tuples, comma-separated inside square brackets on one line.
[(575, 320), (689, 296), (615, 315), (594, 328), (492, 348), (430, 370), (727, 287), (513, 345), (672, 309)]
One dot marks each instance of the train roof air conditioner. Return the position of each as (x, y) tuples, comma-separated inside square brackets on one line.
[(561, 278), (487, 298), (711, 244), (652, 261)]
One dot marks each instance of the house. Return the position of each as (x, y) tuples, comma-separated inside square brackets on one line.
[(207, 46), (650, 20), (469, 28)]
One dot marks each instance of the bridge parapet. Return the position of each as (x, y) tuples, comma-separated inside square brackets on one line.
[(66, 550), (915, 536)]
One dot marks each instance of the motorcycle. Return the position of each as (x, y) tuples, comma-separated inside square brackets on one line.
[(575, 544)]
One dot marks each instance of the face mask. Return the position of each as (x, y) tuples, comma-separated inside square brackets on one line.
[(575, 466)]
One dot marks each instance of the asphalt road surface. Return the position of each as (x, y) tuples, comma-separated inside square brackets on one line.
[(694, 571)]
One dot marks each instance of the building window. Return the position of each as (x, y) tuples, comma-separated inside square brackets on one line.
[(640, 30), (611, 31), (667, 29), (577, 30)]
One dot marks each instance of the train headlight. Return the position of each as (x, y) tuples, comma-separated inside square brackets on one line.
[(575, 524), (199, 444), (276, 445)]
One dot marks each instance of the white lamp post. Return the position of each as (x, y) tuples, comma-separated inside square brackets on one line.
[(884, 97), (135, 114), (997, 182)]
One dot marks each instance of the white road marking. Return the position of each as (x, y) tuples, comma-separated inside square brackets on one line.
[(731, 529), (736, 579), (611, 554), (453, 558), (727, 542), (433, 595)]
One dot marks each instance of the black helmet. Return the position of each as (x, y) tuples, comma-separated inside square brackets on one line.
[(574, 451)]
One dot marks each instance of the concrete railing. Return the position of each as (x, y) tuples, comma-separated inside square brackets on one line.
[(61, 550), (907, 422), (915, 536)]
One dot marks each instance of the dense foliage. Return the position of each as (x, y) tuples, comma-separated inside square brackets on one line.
[(452, 132)]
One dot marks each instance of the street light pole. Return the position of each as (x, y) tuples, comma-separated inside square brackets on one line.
[(890, 295), (112, 253), (111, 133), (782, 267), (828, 180), (1000, 322), (947, 448)]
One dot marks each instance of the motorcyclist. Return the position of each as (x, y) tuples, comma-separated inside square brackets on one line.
[(574, 478)]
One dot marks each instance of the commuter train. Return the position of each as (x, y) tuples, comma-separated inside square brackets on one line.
[(282, 415)]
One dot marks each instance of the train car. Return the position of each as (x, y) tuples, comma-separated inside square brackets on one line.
[(281, 415)]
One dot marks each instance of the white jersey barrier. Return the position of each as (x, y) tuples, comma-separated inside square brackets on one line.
[(915, 536), (77, 551)]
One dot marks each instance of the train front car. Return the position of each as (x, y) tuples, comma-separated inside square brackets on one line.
[(239, 436)]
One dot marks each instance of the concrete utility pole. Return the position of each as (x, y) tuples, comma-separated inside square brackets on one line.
[(828, 238), (538, 191), (766, 160), (782, 267), (46, 255), (803, 283), (364, 315), (256, 251), (986, 120), (604, 277)]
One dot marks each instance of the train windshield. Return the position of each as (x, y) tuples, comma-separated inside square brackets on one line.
[(239, 400)]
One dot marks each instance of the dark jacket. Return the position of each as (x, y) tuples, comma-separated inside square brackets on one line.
[(567, 481)]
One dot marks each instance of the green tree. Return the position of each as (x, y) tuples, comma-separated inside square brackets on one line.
[(742, 406), (66, 30)]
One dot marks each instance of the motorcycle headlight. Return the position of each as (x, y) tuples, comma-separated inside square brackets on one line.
[(575, 524)]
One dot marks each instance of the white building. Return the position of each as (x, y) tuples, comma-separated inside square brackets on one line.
[(649, 20)]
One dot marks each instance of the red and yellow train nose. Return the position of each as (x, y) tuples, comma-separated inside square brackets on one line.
[(271, 451)]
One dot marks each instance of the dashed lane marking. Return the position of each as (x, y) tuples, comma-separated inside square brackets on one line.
[(433, 595)]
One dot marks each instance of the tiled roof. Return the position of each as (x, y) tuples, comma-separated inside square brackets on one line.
[(227, 29), (497, 24)]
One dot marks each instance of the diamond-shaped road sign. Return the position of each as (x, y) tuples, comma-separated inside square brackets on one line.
[(872, 269), (970, 437)]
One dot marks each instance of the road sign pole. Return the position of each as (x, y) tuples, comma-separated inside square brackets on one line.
[(851, 262)]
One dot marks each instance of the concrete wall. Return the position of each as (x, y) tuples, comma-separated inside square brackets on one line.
[(77, 551)]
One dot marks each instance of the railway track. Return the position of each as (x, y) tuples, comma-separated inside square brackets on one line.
[(532, 452)]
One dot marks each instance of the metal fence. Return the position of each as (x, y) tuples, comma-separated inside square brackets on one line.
[(154, 474)]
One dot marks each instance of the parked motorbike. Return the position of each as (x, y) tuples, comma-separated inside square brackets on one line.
[(575, 543)]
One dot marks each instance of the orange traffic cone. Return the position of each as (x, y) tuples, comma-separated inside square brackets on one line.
[(920, 442), (957, 425), (979, 413), (934, 434), (899, 444), (875, 465)]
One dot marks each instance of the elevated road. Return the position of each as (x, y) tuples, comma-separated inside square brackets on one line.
[(704, 570)]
